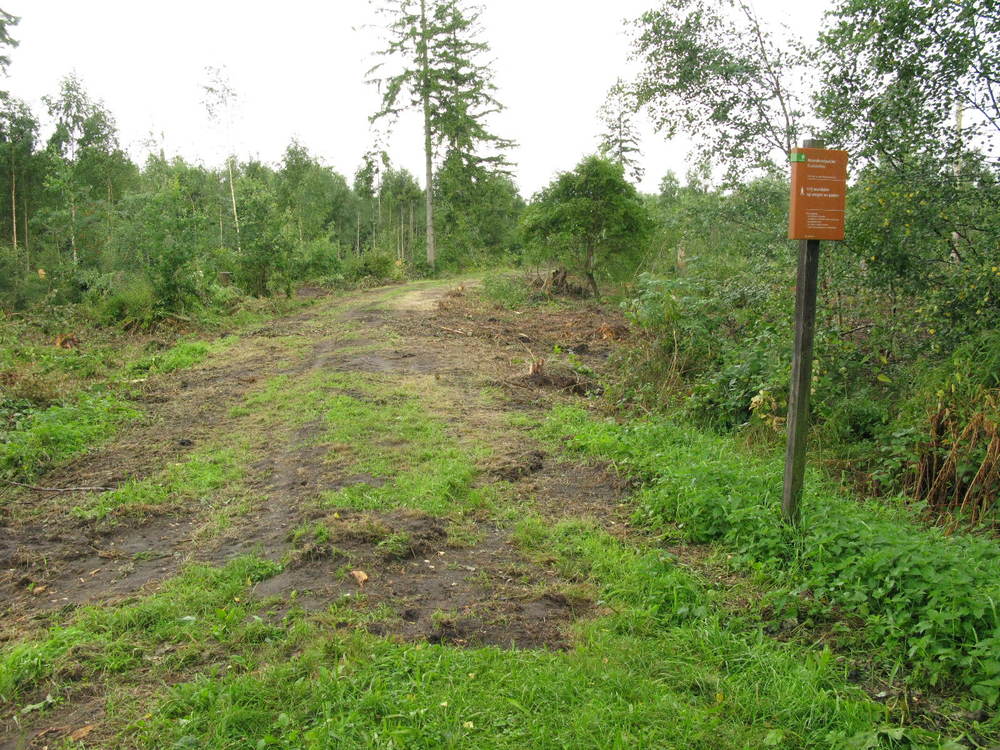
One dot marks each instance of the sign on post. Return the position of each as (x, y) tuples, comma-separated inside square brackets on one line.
[(818, 200), (819, 194)]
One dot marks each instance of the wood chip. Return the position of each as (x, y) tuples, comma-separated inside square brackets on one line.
[(360, 576), (82, 732)]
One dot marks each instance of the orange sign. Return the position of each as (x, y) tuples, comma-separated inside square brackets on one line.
[(819, 194)]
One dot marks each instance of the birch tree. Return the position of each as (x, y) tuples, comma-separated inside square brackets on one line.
[(220, 103)]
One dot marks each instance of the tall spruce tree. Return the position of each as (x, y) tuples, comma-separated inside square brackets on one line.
[(620, 141), (434, 49)]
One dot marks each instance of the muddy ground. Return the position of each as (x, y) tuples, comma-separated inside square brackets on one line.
[(466, 584)]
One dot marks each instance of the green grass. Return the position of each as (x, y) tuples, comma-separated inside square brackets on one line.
[(189, 481), (48, 436), (203, 606), (928, 600), (181, 355), (662, 671), (386, 432)]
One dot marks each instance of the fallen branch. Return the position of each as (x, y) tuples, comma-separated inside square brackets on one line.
[(58, 489), (453, 330)]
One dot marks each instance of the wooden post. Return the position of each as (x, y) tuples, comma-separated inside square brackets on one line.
[(802, 356)]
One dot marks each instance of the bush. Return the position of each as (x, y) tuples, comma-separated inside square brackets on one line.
[(507, 291), (373, 266), (132, 305)]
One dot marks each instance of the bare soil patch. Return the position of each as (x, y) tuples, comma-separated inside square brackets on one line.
[(420, 581), (418, 586)]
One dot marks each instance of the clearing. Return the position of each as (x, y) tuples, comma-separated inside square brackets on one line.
[(343, 529)]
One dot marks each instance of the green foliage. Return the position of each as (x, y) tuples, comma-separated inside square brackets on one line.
[(883, 107), (373, 267), (477, 214), (507, 291), (714, 71), (926, 596), (45, 437), (133, 305), (265, 249), (587, 218)]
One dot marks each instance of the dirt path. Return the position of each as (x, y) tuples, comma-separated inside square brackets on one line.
[(451, 576)]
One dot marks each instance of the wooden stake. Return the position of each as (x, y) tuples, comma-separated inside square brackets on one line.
[(798, 400)]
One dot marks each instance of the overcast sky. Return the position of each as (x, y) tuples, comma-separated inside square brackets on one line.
[(299, 69)]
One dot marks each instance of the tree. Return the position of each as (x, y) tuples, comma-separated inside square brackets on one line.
[(317, 200), (478, 211), (619, 141), (220, 103), (88, 160), (6, 40), (587, 216), (899, 76), (711, 69), (434, 45), (18, 135), (914, 89), (165, 226)]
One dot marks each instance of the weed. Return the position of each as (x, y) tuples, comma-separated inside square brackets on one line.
[(926, 598), (43, 438), (396, 546)]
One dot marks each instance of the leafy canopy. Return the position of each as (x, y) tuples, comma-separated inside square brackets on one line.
[(588, 216), (897, 71), (711, 69)]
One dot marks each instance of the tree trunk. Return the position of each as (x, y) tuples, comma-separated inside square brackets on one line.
[(232, 195), (425, 96), (24, 218), (111, 217), (590, 272), (13, 205), (72, 228)]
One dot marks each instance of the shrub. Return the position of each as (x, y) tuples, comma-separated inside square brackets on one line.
[(131, 305)]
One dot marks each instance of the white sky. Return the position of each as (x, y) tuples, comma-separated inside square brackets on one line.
[(299, 69)]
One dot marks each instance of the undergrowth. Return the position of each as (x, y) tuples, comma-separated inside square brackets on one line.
[(928, 600)]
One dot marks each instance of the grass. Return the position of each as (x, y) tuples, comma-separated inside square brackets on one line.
[(180, 356), (927, 600), (188, 481), (653, 674), (203, 606), (46, 437), (660, 661), (384, 431), (660, 671)]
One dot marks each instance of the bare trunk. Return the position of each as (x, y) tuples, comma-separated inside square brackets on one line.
[(110, 216), (428, 151), (24, 218), (232, 195), (590, 272), (357, 240), (72, 228), (13, 205)]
